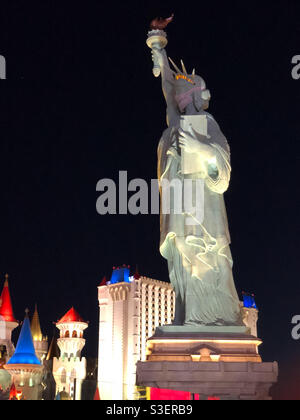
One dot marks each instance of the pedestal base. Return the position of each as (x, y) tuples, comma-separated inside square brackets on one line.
[(224, 380), (219, 363)]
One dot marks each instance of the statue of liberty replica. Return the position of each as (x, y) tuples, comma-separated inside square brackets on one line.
[(194, 148), (211, 349)]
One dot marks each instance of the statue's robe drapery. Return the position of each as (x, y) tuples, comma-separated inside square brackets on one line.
[(199, 257)]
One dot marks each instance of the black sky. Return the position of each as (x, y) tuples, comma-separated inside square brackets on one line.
[(80, 104)]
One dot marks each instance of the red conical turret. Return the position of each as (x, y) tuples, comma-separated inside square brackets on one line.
[(136, 274), (70, 316), (103, 282), (6, 307)]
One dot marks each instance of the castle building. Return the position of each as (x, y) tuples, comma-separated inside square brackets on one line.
[(7, 323), (39, 341), (69, 370), (24, 366), (131, 307)]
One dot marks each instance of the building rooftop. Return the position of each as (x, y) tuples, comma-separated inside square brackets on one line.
[(120, 274), (53, 349), (25, 352), (6, 309), (36, 327), (71, 316), (249, 301)]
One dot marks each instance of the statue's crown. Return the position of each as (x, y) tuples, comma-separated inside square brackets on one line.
[(183, 74)]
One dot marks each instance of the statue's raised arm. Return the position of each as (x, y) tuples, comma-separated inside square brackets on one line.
[(157, 41)]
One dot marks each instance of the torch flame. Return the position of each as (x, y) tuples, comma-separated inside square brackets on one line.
[(161, 23)]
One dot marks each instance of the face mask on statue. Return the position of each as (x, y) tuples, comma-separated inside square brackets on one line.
[(195, 96)]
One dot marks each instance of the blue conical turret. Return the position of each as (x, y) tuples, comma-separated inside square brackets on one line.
[(25, 352)]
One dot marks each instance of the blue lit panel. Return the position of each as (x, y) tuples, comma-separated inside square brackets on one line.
[(120, 275), (25, 352), (249, 301)]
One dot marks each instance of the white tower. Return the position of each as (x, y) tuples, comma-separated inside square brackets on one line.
[(70, 369)]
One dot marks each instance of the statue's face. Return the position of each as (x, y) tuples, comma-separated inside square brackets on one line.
[(191, 90)]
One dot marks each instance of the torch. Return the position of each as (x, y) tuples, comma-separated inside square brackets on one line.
[(157, 38)]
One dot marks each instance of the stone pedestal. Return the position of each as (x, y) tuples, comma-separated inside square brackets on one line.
[(209, 361)]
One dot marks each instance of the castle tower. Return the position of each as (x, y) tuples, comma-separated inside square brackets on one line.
[(69, 370), (39, 341), (7, 322), (24, 366)]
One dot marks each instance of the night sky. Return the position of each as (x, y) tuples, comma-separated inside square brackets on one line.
[(80, 104)]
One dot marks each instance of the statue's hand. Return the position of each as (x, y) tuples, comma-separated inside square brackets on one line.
[(193, 142), (189, 141)]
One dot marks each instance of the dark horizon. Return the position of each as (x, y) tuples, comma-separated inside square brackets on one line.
[(80, 104)]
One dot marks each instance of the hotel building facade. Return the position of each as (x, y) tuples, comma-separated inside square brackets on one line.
[(130, 310)]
